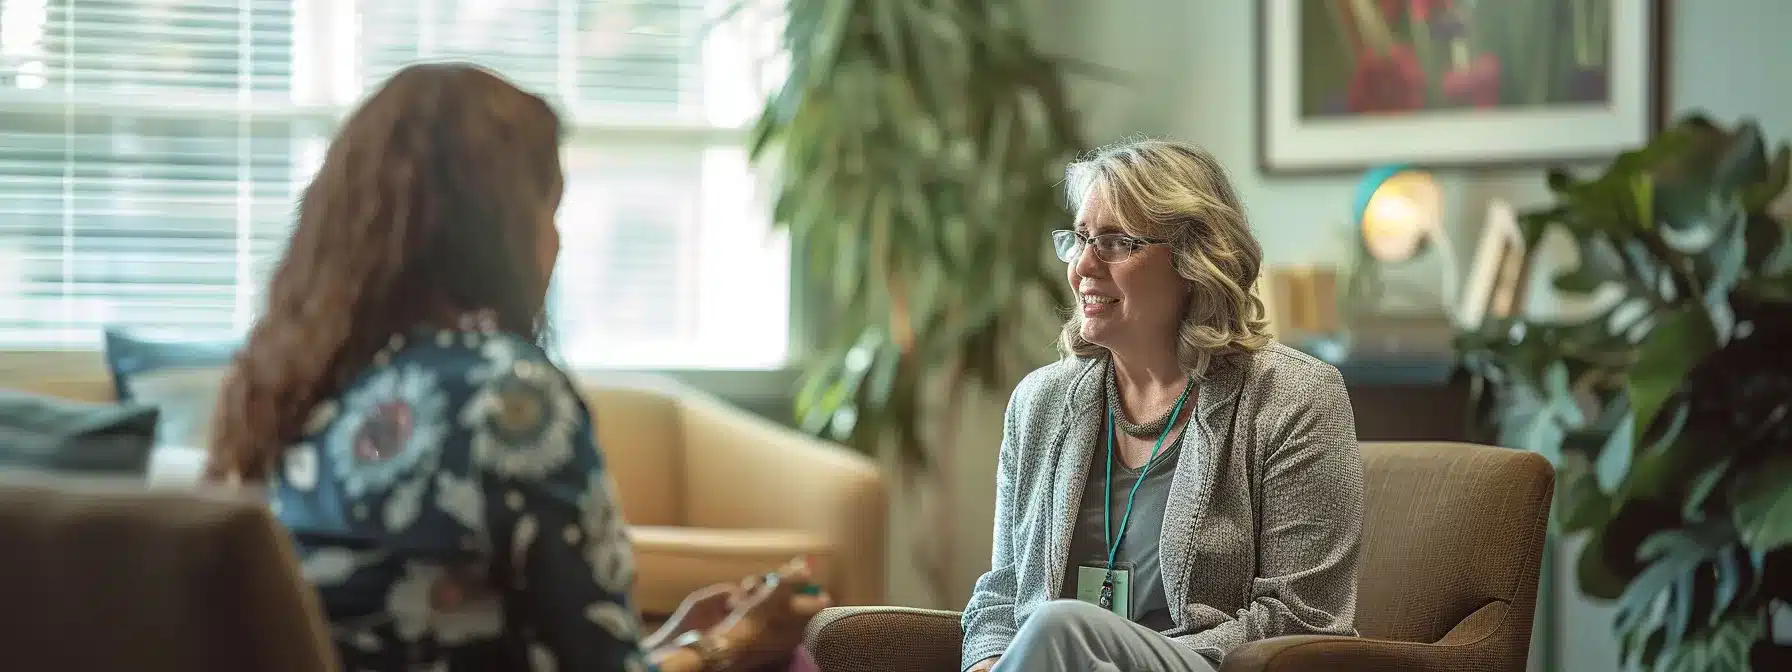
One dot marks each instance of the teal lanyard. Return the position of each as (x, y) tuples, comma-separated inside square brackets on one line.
[(1107, 488)]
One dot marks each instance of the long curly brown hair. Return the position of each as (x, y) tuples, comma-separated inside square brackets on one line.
[(431, 201)]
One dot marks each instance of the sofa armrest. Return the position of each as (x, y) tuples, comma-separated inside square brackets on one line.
[(1464, 647), (885, 639), (742, 471)]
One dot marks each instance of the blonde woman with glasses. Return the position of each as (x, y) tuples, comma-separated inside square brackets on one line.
[(1178, 484)]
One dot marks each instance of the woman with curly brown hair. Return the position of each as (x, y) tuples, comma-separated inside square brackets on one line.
[(439, 473)]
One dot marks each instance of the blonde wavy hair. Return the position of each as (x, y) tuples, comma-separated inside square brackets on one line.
[(1177, 192)]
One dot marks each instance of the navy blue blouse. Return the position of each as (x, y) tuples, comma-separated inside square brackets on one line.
[(452, 510)]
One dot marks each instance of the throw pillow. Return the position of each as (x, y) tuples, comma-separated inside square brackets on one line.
[(181, 380), (46, 433), (186, 399), (129, 356)]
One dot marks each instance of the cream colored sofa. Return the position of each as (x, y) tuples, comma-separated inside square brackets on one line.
[(713, 493)]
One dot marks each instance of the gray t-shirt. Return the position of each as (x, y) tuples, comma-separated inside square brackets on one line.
[(1088, 545)]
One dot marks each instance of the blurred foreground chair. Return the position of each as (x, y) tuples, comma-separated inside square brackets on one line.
[(1452, 545), (110, 576)]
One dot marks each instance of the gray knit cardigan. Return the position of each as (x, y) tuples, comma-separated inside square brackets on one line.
[(1262, 532)]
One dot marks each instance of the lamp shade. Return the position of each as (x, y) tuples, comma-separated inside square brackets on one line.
[(1396, 210)]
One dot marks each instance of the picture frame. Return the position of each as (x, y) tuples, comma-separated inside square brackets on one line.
[(1348, 84), (1499, 276)]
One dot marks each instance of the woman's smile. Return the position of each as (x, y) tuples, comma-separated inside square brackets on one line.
[(1096, 303)]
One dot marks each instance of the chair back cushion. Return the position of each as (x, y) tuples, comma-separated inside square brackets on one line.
[(55, 434), (1450, 527), (638, 431), (110, 576)]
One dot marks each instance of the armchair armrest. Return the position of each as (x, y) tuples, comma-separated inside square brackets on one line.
[(1468, 646), (885, 639), (742, 471)]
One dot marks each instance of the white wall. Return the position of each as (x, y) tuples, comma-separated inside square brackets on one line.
[(1191, 66), (1190, 75)]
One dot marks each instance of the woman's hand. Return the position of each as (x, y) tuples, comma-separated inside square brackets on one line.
[(703, 609), (985, 665), (767, 626)]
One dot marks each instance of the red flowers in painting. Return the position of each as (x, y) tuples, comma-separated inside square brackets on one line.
[(1387, 82), (1407, 55), (1419, 9), (1478, 84), (1423, 10), (1394, 57)]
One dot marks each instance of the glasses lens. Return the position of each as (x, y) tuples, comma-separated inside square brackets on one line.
[(1066, 245), (1112, 249)]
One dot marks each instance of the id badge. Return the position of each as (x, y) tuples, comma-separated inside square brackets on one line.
[(1088, 587)]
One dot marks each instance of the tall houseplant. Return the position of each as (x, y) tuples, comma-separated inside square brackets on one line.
[(918, 146), (1668, 412)]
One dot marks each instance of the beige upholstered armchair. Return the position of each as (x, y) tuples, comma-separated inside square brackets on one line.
[(712, 493), (1452, 545)]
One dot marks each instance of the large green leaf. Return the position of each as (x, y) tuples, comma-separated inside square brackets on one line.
[(1600, 263), (1744, 162), (1580, 503), (1756, 197), (1594, 573), (1722, 263), (1763, 501), (1699, 491), (1724, 646), (1661, 469), (1664, 358), (1531, 421), (1613, 464), (1681, 565)]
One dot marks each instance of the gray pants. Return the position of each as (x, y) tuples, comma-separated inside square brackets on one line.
[(1072, 636)]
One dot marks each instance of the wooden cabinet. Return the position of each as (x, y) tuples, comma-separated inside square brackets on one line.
[(1407, 399)]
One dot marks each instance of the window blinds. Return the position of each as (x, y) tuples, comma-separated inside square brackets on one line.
[(151, 152), (599, 59), (136, 186)]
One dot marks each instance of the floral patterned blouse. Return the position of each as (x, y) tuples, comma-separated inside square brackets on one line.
[(461, 458)]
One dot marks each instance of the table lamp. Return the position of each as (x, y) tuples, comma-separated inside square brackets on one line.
[(1398, 213)]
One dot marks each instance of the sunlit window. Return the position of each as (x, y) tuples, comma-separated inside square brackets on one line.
[(151, 152)]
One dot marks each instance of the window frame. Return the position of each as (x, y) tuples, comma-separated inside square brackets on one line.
[(326, 89)]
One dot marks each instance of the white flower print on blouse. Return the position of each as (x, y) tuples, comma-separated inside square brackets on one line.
[(501, 356), (405, 503), (410, 602), (522, 424), (365, 641), (462, 499), (391, 427), (619, 622), (332, 566), (321, 416), (607, 545), (522, 539), (298, 466), (542, 660)]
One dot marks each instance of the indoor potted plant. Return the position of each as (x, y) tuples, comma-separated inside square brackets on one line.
[(1668, 411)]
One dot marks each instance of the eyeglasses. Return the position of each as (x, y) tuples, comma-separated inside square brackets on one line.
[(1112, 248)]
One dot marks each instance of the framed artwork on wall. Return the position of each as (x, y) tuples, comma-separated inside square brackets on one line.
[(1347, 84)]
